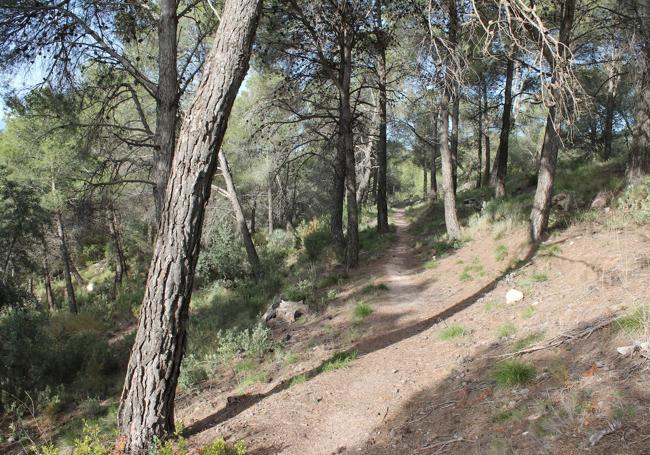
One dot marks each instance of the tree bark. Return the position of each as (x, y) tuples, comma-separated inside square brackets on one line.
[(610, 107), (346, 143), (147, 405), (382, 159), (501, 160), (121, 268), (67, 272), (455, 126), (435, 152), (425, 181), (166, 101), (637, 164), (251, 252), (449, 197), (47, 281), (269, 206), (548, 157), (486, 133), (479, 141)]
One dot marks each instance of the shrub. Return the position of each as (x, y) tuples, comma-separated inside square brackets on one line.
[(635, 321), (316, 238), (510, 373), (221, 255), (221, 447), (280, 242)]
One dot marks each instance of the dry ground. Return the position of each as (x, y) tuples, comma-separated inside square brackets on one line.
[(410, 391)]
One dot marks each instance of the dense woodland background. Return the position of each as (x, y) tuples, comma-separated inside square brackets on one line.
[(351, 108)]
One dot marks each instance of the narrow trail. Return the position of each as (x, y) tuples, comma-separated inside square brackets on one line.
[(410, 391), (338, 410)]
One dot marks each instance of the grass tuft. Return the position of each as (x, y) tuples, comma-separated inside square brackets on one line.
[(501, 252), (510, 373), (506, 330), (633, 322), (374, 288), (452, 331), (338, 361), (362, 310), (525, 342)]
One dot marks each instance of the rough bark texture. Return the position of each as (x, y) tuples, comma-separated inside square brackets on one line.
[(455, 126), (382, 161), (637, 165), (166, 101), (435, 152), (548, 157), (479, 143), (251, 252), (269, 206), (67, 268), (610, 106), (501, 160), (451, 217), (147, 405)]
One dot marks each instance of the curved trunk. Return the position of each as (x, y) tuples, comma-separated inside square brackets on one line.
[(251, 252), (548, 157), (147, 405)]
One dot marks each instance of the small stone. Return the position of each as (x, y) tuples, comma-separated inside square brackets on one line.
[(626, 351), (395, 371), (513, 295)]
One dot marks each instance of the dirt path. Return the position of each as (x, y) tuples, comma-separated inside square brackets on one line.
[(404, 368)]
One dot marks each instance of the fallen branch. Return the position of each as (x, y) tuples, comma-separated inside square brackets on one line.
[(563, 338), (440, 445)]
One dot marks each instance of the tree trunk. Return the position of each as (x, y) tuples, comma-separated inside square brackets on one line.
[(451, 217), (251, 253), (455, 126), (166, 101), (479, 141), (147, 404), (425, 181), (548, 157), (435, 152), (637, 164), (612, 86), (382, 159), (47, 281), (253, 214), (118, 251), (501, 160), (269, 205), (346, 140), (67, 272)]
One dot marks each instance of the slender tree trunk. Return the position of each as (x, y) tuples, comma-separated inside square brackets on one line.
[(347, 143), (548, 157), (269, 205), (455, 126), (486, 134), (451, 217), (382, 159), (479, 143), (47, 281), (425, 181), (147, 404), (435, 153), (251, 252), (637, 164), (612, 86), (121, 268), (501, 160), (253, 210), (67, 269), (166, 101), (5, 268)]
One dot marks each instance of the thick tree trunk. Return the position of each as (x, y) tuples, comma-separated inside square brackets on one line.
[(251, 252), (435, 153), (121, 268), (67, 269), (449, 197), (147, 405), (166, 101), (548, 157), (637, 164), (455, 126), (501, 160), (382, 159), (338, 199)]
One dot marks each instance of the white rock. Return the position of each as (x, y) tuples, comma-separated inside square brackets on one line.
[(90, 287), (626, 350), (513, 295)]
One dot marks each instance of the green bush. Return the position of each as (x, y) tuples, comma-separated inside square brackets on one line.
[(510, 373), (452, 331), (636, 201), (221, 255), (280, 242), (315, 237), (221, 447)]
